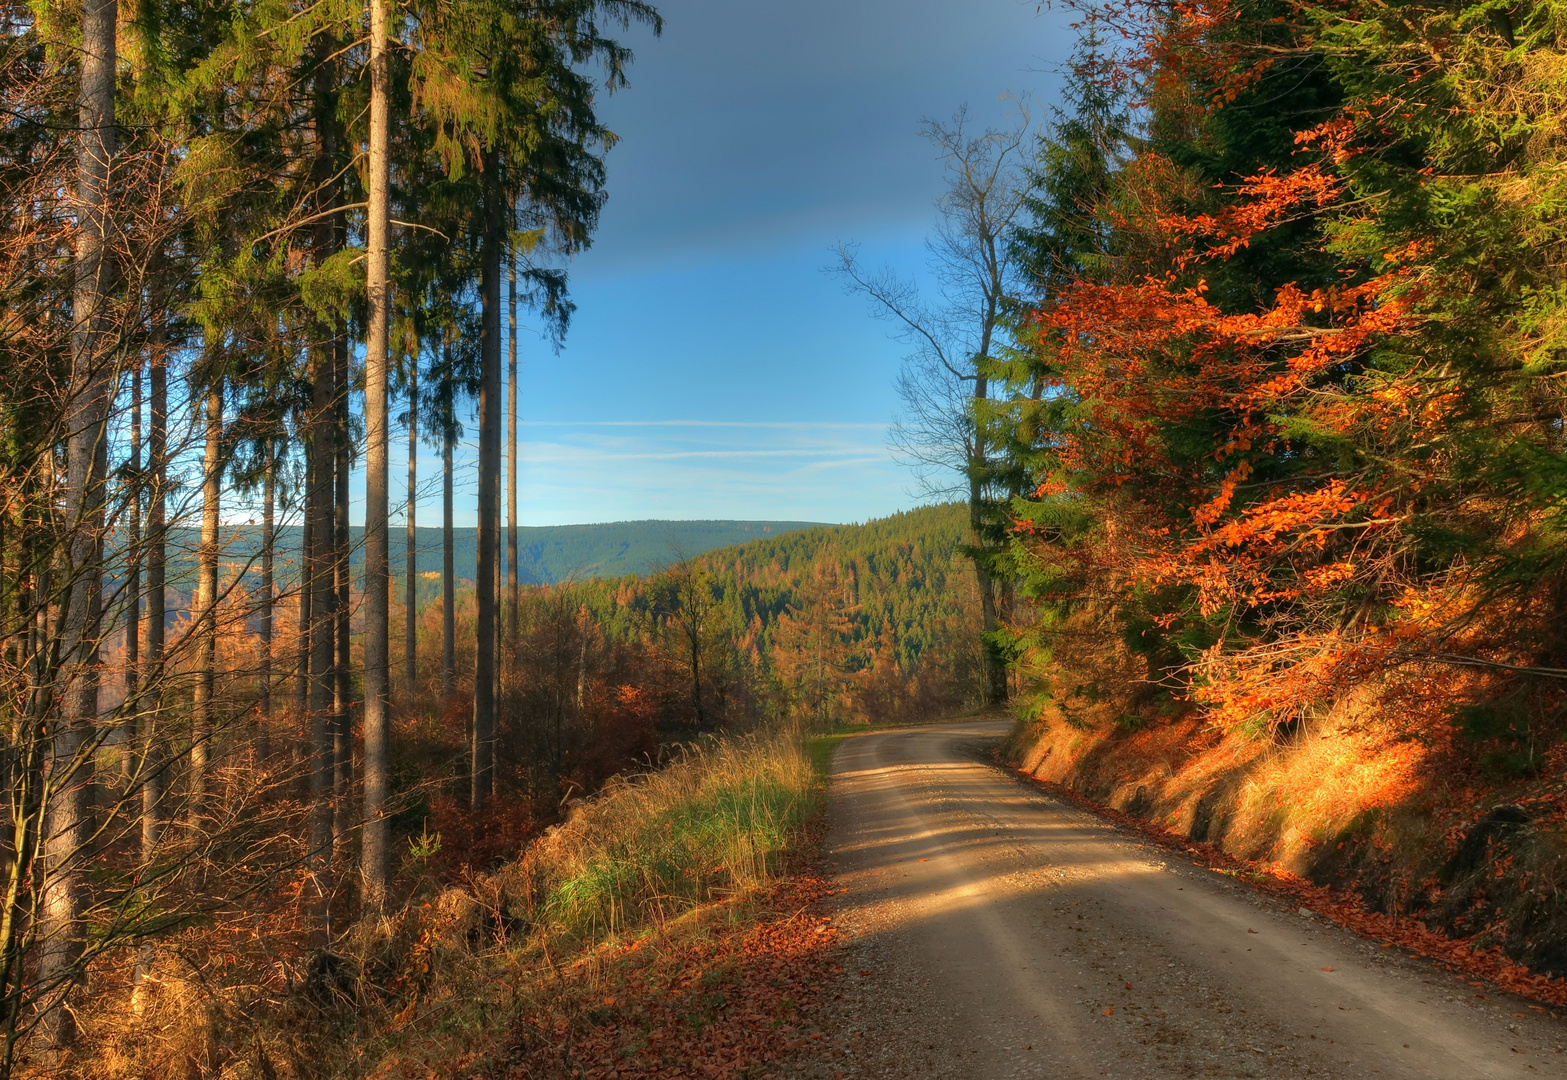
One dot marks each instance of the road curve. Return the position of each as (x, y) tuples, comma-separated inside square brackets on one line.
[(992, 931)]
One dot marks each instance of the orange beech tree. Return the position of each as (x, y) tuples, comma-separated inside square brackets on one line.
[(1288, 389)]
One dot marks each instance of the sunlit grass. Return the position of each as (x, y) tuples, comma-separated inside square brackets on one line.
[(714, 823)]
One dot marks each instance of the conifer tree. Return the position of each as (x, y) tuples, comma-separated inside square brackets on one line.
[(377, 433), (526, 124)]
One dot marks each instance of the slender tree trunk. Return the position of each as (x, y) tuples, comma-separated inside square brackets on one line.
[(268, 545), (481, 779), (148, 741), (582, 656), (378, 690), (320, 562), (302, 648), (322, 628), (86, 464), (342, 688), (152, 779), (133, 577), (411, 575), (448, 571), (206, 613), (513, 590)]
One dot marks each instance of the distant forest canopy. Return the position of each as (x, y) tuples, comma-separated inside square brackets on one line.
[(895, 591), (546, 553)]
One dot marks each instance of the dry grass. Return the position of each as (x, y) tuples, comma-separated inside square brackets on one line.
[(715, 822), (436, 988), (1276, 800)]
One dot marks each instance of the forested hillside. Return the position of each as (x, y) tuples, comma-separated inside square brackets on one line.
[(1284, 421), (850, 622), (833, 624)]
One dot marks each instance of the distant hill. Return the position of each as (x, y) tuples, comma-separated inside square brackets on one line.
[(546, 553)]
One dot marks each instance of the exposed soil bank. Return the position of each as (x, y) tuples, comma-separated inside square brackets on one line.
[(1344, 804)]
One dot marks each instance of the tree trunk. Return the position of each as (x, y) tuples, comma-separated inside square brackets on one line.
[(133, 579), (86, 463), (582, 656), (206, 605), (152, 779), (322, 629), (342, 687), (481, 779), (377, 542), (513, 589), (995, 685), (302, 649), (320, 562), (149, 772), (411, 576), (448, 571), (268, 543)]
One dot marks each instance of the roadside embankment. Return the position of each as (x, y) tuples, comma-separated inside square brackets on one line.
[(668, 927), (1439, 854)]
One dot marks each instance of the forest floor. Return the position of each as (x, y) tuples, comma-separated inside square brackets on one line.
[(987, 929)]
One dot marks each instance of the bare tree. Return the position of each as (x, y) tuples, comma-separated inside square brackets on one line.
[(92, 342), (948, 375)]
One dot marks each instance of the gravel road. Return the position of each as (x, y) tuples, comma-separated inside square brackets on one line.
[(992, 931)]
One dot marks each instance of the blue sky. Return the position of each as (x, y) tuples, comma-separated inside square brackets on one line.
[(713, 369)]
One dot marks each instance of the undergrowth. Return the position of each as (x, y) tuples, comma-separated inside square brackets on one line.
[(653, 863)]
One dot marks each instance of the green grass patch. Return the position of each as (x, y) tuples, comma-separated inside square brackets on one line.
[(821, 749), (713, 824)]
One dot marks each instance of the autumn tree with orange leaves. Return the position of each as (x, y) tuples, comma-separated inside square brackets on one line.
[(1288, 389)]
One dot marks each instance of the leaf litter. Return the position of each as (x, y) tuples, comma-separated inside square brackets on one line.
[(732, 997)]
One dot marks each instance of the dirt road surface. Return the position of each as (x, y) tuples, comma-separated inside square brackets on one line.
[(994, 932)]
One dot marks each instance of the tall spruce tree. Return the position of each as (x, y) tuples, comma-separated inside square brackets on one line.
[(524, 120)]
